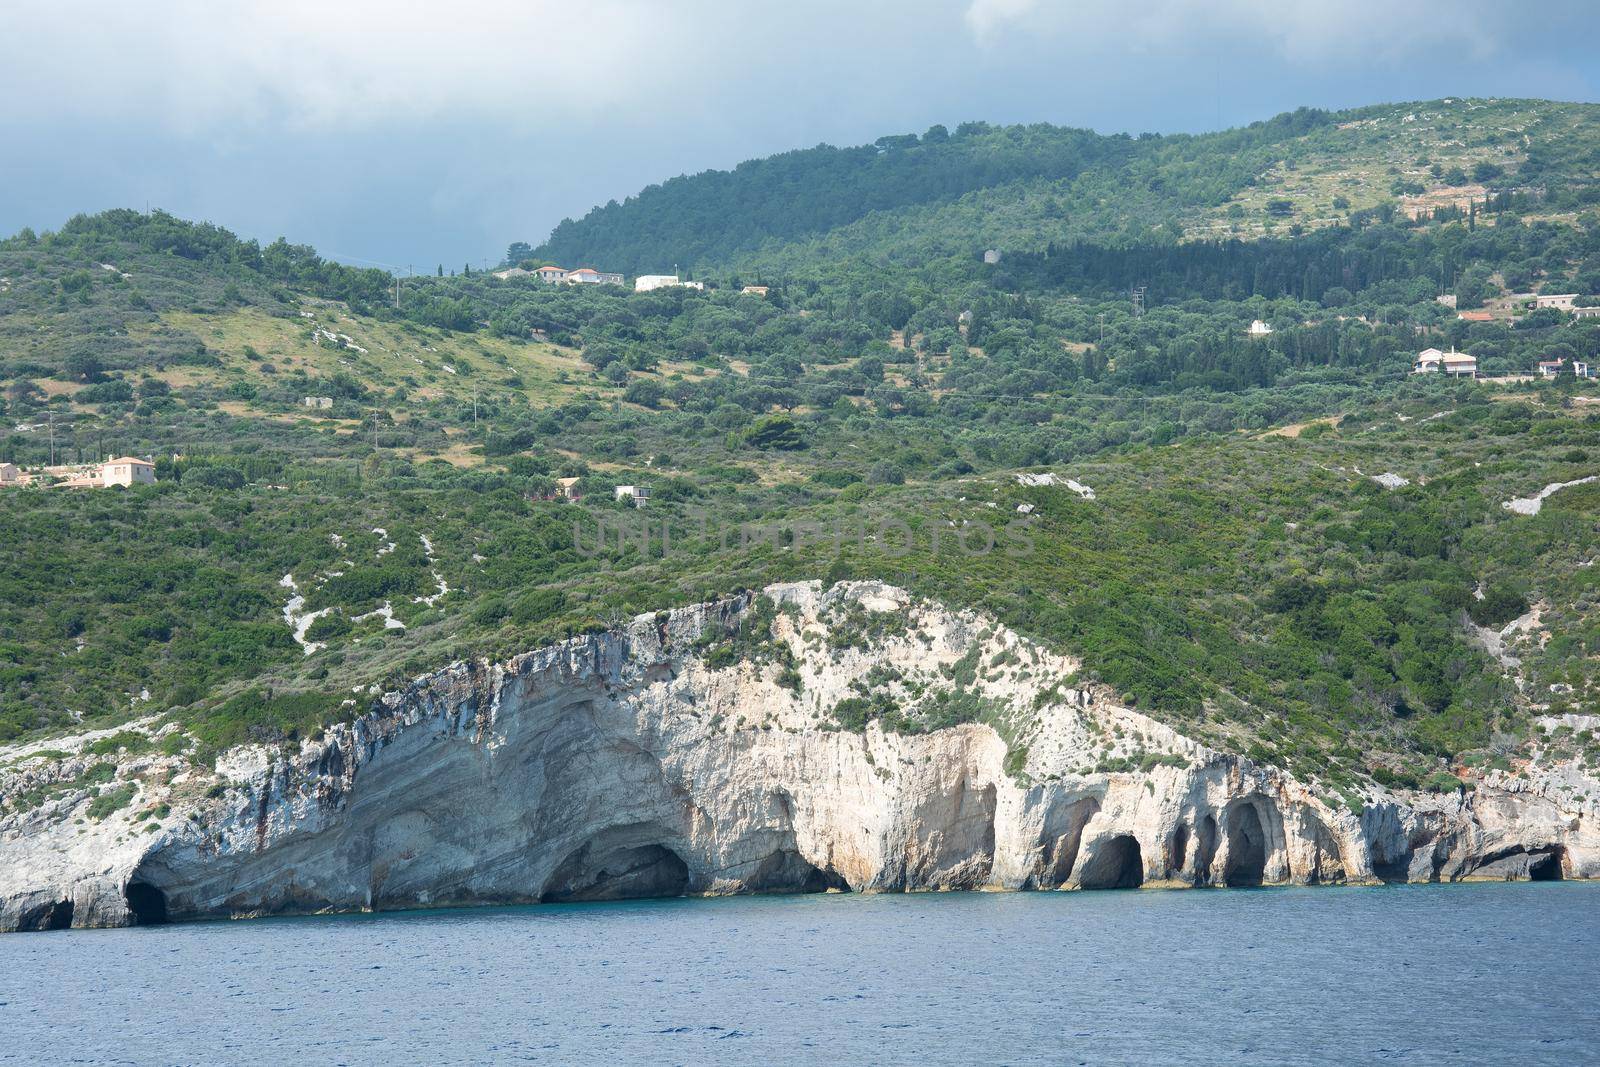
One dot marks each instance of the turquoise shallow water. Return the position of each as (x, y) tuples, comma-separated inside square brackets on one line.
[(1463, 974)]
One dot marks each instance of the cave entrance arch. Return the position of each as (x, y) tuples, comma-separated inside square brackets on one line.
[(618, 872), (146, 903), (1247, 848), (60, 917), (1546, 867), (1117, 864), (1205, 848), (1179, 850)]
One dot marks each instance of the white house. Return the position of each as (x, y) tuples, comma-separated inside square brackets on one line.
[(513, 272), (322, 403), (1560, 301), (1551, 368), (127, 470), (590, 276), (1259, 328), (1455, 364), (639, 494), (123, 471), (991, 255), (551, 274), (645, 283)]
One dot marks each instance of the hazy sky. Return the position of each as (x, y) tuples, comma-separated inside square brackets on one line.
[(414, 133)]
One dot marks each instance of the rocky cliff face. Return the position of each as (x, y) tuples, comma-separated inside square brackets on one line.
[(734, 747)]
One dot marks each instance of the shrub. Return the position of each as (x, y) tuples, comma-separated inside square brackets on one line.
[(1500, 604)]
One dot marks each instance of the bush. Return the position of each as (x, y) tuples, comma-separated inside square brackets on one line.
[(537, 606), (1500, 604), (112, 801), (116, 392), (334, 624), (214, 478)]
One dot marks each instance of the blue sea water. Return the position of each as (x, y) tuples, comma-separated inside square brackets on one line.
[(1448, 974)]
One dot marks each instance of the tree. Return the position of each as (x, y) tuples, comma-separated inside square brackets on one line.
[(518, 251), (774, 431), (84, 366), (646, 392)]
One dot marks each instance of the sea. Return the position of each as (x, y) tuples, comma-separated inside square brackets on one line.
[(1490, 973)]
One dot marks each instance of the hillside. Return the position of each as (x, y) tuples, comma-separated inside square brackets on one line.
[(1238, 572), (911, 197)]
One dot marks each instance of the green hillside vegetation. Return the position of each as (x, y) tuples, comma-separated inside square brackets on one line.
[(1239, 572), (1259, 592), (911, 198)]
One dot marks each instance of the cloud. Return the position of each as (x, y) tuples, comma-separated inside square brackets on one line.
[(1295, 30), (985, 17), (198, 63)]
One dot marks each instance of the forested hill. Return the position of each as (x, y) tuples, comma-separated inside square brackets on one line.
[(943, 193), (715, 215)]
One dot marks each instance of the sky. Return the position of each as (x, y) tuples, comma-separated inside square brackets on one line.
[(412, 134)]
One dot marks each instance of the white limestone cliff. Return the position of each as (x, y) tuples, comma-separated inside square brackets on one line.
[(689, 753)]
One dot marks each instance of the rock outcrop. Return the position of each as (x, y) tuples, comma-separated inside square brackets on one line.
[(807, 740)]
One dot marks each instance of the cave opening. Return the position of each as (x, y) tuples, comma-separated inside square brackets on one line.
[(1205, 848), (786, 871), (1180, 848), (618, 874), (146, 903), (1546, 868), (1247, 848), (60, 917), (1117, 864)]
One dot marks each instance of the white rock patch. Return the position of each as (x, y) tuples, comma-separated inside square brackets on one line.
[(1531, 505)]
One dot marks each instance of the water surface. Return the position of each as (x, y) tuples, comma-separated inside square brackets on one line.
[(1452, 974)]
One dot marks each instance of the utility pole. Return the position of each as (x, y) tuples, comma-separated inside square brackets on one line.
[(1138, 301), (52, 438)]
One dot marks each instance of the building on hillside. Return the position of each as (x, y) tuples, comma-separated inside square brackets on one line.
[(567, 489), (590, 276), (1559, 301), (1453, 363), (551, 274), (1260, 329), (754, 290), (991, 255), (1551, 368), (127, 471), (1586, 312), (1475, 316), (645, 283), (514, 272), (1447, 299), (321, 403), (639, 494), (115, 471)]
